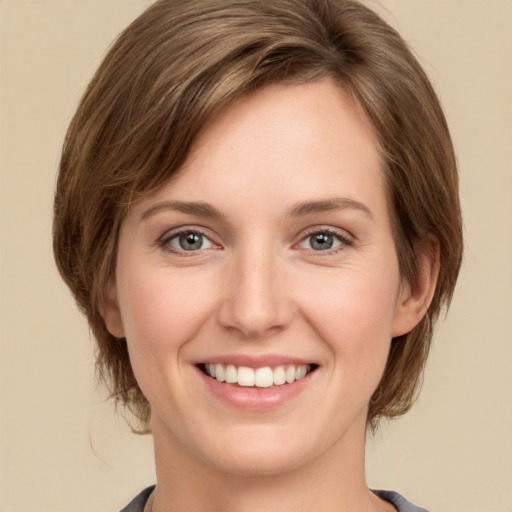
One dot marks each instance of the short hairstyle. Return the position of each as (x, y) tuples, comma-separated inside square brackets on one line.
[(170, 73)]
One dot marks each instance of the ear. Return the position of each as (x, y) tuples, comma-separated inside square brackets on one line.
[(112, 314), (415, 298)]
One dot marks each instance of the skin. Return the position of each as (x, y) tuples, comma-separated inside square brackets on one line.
[(259, 286)]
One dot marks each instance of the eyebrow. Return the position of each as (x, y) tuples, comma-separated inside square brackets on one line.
[(299, 210), (193, 208), (324, 205)]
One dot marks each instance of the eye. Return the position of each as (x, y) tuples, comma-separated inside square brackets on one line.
[(188, 241), (324, 240)]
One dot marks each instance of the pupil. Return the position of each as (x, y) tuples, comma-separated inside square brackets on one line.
[(191, 241), (322, 241)]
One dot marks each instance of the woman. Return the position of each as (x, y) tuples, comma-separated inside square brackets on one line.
[(257, 210)]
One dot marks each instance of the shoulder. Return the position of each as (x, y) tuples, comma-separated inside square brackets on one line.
[(398, 501), (137, 504)]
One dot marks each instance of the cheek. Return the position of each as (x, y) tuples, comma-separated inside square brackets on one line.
[(351, 303), (353, 313), (161, 312)]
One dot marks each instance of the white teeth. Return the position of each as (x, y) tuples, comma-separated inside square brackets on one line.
[(231, 374), (263, 377), (279, 376), (219, 372), (290, 374), (301, 372), (245, 376)]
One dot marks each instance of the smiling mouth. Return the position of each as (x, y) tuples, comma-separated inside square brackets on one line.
[(263, 377)]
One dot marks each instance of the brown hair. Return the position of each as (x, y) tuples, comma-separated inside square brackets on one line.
[(172, 70)]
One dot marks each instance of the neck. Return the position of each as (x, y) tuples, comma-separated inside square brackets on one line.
[(333, 482)]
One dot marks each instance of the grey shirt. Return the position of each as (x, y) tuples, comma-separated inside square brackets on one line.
[(398, 501)]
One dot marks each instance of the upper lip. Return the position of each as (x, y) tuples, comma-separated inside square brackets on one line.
[(252, 361)]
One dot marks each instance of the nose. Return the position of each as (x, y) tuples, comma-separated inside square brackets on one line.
[(256, 302)]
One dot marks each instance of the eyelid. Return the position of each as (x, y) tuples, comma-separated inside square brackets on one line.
[(163, 241), (346, 239)]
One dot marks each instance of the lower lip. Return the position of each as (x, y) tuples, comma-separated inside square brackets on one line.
[(253, 398)]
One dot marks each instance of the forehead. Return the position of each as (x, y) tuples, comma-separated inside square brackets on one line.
[(286, 142)]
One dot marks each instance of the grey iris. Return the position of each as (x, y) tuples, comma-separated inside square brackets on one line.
[(191, 241), (321, 241)]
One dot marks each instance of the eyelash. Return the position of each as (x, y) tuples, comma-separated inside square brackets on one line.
[(164, 242), (344, 239)]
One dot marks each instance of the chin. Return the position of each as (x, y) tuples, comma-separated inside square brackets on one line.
[(254, 463), (261, 450)]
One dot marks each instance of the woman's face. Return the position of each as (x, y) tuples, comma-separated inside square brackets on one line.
[(270, 254)]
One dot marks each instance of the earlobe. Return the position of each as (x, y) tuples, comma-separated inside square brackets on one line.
[(112, 314), (415, 298)]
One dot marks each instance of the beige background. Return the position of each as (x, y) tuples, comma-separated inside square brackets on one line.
[(61, 447)]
